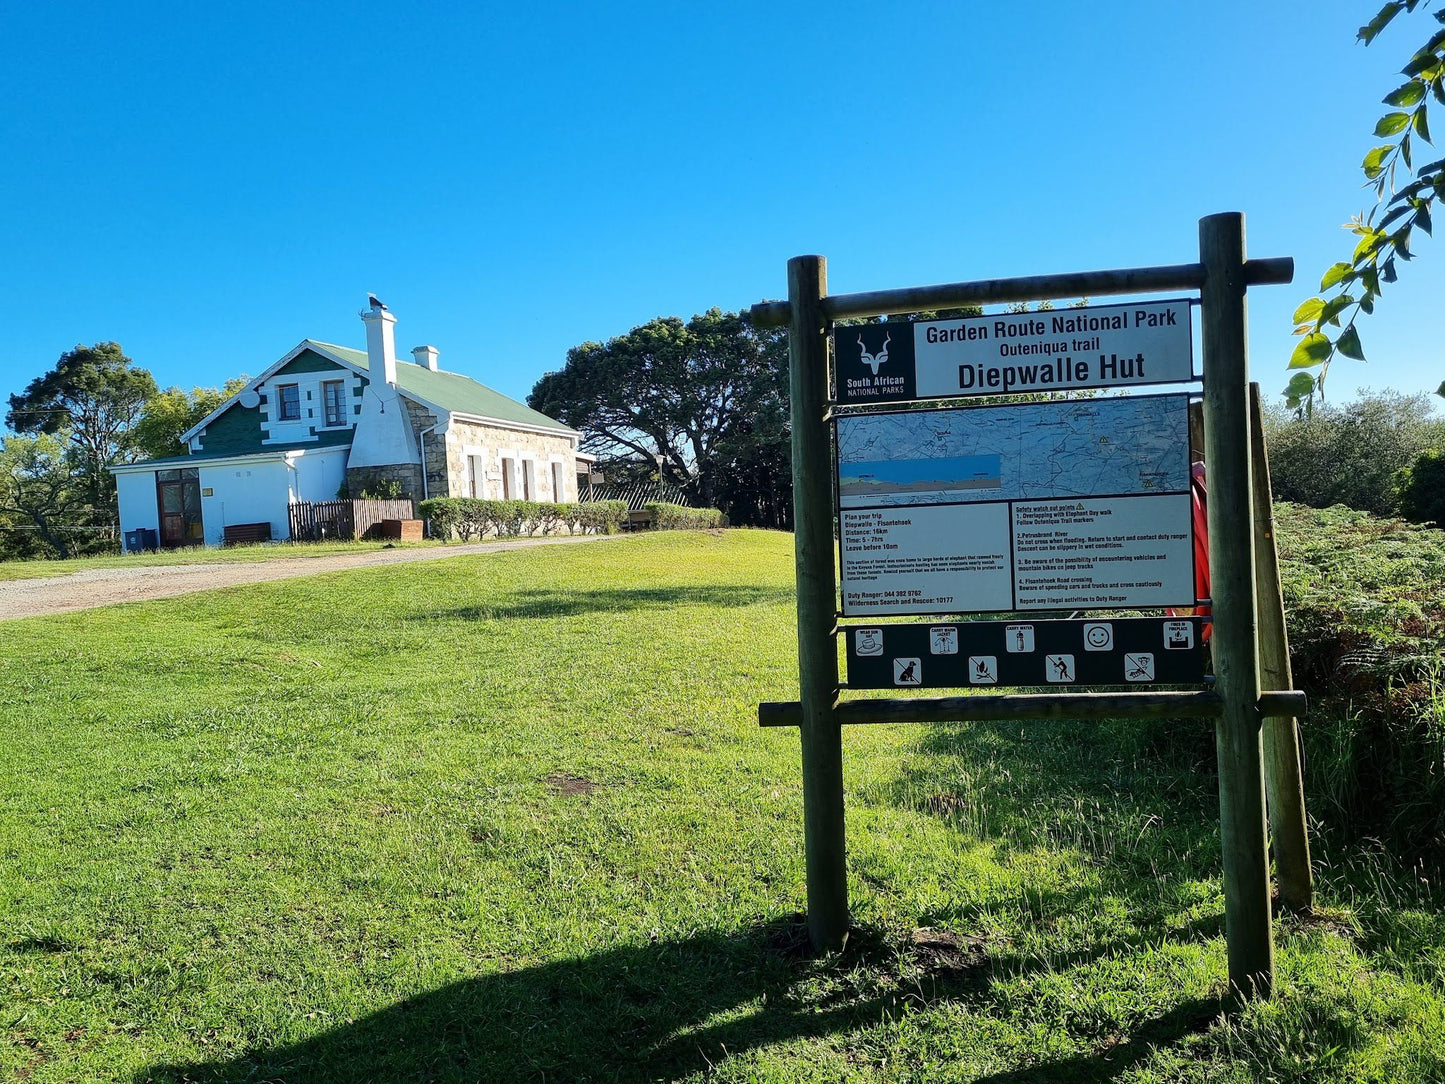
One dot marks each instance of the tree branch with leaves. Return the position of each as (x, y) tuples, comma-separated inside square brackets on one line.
[(1404, 197)]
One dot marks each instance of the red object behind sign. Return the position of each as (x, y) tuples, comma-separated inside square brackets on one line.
[(1200, 497)]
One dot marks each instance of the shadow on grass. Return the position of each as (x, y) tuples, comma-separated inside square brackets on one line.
[(625, 1015), (663, 1011), (561, 603), (1190, 1018), (658, 1012), (1137, 801)]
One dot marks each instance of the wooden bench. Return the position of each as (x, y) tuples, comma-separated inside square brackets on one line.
[(247, 532)]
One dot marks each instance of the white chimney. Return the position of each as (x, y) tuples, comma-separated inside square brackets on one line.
[(426, 356), (380, 344)]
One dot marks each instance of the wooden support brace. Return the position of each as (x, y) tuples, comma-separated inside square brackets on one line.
[(1201, 704), (1284, 782)]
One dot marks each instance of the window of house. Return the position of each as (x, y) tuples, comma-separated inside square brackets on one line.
[(509, 466), (289, 397), (333, 394), (474, 476), (558, 485), (529, 480)]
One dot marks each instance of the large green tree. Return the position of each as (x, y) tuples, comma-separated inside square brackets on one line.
[(38, 490), (706, 398), (1404, 197), (168, 414), (93, 397)]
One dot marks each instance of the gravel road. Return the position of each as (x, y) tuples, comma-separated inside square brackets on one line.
[(107, 586)]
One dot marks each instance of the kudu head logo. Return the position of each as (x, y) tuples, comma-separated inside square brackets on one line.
[(873, 361)]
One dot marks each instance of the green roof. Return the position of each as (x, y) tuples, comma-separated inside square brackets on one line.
[(453, 392)]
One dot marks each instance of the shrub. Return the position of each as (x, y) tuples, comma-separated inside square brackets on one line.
[(471, 517), (602, 517), (571, 515), (1352, 455), (1422, 490), (384, 489), (510, 516), (441, 514), (679, 517)]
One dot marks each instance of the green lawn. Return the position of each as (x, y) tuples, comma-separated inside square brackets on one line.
[(510, 817), (195, 555)]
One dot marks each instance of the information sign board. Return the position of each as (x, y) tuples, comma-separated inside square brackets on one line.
[(1080, 504), (1101, 346), (988, 654)]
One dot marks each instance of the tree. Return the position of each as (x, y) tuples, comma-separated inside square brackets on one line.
[(1352, 455), (700, 398), (37, 483), (1384, 233), (1422, 489), (93, 397), (168, 414)]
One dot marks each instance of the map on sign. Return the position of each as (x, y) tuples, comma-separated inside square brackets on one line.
[(1037, 451), (1079, 504)]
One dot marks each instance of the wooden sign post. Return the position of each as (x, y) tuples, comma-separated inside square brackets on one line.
[(1236, 701), (1238, 744), (817, 600)]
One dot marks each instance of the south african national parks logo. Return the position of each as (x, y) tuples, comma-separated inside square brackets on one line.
[(874, 360)]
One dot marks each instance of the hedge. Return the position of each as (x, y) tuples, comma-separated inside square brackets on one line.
[(679, 517), (470, 517)]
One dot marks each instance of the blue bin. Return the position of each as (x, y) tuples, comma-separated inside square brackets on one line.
[(140, 540)]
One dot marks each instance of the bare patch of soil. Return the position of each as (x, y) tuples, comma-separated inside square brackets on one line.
[(948, 955), (566, 783)]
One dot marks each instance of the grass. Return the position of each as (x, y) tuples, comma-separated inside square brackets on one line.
[(1366, 602), (244, 553), (511, 818)]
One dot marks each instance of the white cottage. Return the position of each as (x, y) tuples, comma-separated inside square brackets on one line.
[(326, 415)]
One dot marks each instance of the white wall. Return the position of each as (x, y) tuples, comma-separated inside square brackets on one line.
[(383, 430), (313, 414), (246, 493), (138, 508), (319, 474)]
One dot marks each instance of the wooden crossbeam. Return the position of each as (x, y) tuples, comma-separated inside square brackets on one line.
[(1202, 704)]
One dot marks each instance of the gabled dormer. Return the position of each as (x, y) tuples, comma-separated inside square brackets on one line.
[(310, 398)]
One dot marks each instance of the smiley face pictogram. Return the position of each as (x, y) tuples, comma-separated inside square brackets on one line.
[(1098, 636)]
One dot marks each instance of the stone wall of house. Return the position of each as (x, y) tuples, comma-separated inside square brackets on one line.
[(360, 479), (433, 449), (494, 444)]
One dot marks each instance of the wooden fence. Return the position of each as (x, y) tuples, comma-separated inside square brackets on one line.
[(637, 495), (312, 521)]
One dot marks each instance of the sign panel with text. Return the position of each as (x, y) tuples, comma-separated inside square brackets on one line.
[(1078, 505), (1102, 346)]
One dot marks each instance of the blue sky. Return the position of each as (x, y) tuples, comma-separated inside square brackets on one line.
[(209, 184)]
